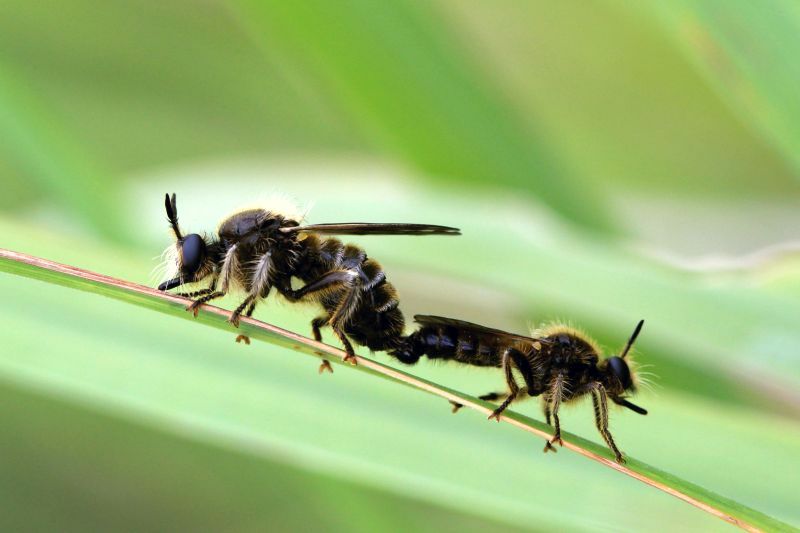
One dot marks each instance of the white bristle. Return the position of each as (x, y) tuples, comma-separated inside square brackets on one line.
[(168, 266)]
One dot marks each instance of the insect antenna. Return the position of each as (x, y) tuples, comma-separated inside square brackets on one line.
[(632, 339), (172, 214)]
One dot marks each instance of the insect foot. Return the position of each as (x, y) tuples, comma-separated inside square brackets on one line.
[(325, 366), (456, 406), (556, 439), (243, 338), (496, 413), (194, 308)]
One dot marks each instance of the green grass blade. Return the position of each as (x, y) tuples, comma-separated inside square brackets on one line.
[(48, 271)]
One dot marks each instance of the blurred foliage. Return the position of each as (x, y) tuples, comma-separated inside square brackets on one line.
[(128, 476), (577, 144)]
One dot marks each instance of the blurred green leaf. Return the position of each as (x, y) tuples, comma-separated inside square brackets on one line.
[(48, 153), (142, 87), (619, 101), (393, 67), (112, 469), (747, 51)]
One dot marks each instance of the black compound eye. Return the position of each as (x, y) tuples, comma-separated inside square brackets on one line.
[(620, 369), (193, 252)]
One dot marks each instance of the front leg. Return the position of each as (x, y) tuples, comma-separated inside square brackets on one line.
[(599, 399), (202, 293), (194, 307), (555, 394), (195, 294), (225, 275)]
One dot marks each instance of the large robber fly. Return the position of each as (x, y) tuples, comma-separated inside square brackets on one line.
[(258, 249), (557, 363)]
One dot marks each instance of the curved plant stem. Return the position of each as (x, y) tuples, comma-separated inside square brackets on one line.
[(52, 272)]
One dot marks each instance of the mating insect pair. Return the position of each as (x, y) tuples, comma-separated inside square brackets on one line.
[(258, 249)]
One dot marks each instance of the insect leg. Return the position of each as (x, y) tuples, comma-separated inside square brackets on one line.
[(259, 287), (347, 304), (201, 292), (547, 412), (513, 388), (350, 354), (324, 282), (194, 307), (249, 313), (229, 265), (316, 324), (600, 401), (234, 318), (349, 299), (489, 397), (556, 391)]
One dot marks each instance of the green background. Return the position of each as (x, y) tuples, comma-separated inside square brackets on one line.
[(606, 162)]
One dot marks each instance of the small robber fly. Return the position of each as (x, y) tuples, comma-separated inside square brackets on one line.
[(557, 363), (258, 249)]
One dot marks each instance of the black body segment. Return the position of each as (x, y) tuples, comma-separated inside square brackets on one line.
[(450, 342)]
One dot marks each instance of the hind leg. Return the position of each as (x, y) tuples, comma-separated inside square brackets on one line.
[(513, 388), (316, 325), (349, 298), (350, 353), (490, 397)]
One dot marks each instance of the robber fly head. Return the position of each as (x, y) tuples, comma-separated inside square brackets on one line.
[(619, 379), (191, 252)]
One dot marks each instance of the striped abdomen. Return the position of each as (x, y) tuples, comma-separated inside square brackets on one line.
[(370, 311), (451, 343)]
